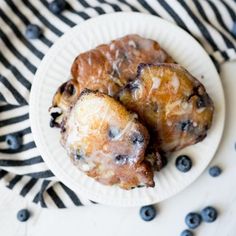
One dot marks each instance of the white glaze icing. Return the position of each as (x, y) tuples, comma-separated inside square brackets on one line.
[(132, 43), (175, 83), (200, 110), (155, 83)]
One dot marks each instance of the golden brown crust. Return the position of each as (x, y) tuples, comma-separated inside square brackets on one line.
[(109, 67), (172, 103), (107, 142)]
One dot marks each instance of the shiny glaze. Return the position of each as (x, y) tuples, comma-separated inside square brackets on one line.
[(108, 68), (107, 142), (172, 103)]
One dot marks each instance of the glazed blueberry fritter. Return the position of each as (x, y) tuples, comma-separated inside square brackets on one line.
[(172, 103), (107, 142), (108, 68)]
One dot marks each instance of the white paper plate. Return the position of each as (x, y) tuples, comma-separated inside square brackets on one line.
[(55, 69)]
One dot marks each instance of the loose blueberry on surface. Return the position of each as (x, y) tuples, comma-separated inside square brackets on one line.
[(23, 215), (147, 213), (215, 171), (234, 29), (209, 214), (186, 233), (57, 6), (183, 163), (193, 220), (14, 141), (33, 31)]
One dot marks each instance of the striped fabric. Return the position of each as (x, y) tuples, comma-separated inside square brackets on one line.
[(211, 22)]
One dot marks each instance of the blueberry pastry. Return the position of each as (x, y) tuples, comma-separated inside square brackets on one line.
[(107, 142), (108, 68), (172, 103)]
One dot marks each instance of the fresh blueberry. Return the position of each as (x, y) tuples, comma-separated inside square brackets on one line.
[(215, 171), (14, 141), (147, 213), (23, 215), (183, 163), (57, 6), (186, 233), (234, 29), (209, 214), (193, 220), (32, 31)]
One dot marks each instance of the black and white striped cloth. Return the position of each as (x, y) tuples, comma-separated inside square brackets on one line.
[(211, 22)]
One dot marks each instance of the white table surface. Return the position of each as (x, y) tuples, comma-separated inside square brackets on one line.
[(101, 220)]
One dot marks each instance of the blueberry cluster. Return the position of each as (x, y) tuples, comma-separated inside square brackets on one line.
[(33, 31), (193, 219)]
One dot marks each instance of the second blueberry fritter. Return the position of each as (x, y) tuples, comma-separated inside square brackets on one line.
[(172, 103)]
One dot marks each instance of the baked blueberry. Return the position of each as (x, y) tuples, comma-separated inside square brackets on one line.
[(137, 138), (14, 141), (33, 31), (209, 214), (201, 102), (132, 86), (121, 159), (23, 215), (53, 123), (186, 125), (113, 132), (78, 155), (183, 163), (193, 220), (70, 89), (57, 6), (186, 233), (215, 171), (147, 213)]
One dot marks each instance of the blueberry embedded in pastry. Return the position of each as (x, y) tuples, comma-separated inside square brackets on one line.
[(107, 142), (172, 103)]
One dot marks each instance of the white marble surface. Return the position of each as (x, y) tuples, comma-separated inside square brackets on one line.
[(101, 220)]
